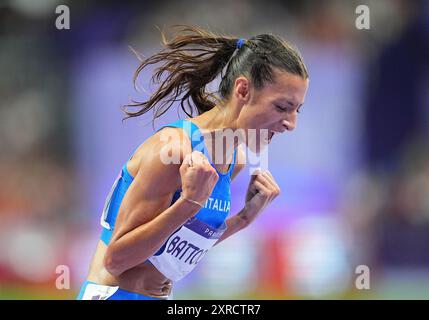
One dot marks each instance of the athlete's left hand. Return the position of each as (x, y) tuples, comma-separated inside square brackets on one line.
[(261, 191)]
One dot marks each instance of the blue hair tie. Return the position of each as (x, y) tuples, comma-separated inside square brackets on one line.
[(240, 43)]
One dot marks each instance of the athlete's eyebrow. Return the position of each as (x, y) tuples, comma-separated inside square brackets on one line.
[(290, 102)]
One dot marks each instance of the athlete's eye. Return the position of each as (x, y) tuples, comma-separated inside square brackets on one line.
[(281, 109), (285, 109)]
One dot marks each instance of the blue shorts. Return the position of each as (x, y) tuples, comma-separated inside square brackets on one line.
[(92, 291)]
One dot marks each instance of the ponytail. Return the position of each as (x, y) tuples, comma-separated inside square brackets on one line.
[(191, 61), (195, 57)]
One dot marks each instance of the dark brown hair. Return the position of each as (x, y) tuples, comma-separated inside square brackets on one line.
[(195, 57)]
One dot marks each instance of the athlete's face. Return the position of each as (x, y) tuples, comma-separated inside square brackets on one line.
[(272, 109)]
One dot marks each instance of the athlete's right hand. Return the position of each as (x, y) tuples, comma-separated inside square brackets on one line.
[(198, 177)]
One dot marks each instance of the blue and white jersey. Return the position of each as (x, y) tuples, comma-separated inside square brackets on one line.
[(182, 251)]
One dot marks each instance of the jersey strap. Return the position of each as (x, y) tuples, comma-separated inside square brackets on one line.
[(193, 132), (197, 141)]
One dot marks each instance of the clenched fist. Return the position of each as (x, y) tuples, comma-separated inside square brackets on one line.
[(261, 191), (198, 177)]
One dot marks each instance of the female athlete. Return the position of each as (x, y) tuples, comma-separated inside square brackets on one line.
[(164, 213)]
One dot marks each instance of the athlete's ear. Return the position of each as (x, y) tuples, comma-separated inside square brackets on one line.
[(242, 87)]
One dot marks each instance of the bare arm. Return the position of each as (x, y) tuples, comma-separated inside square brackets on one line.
[(261, 191), (146, 219), (234, 224), (135, 246)]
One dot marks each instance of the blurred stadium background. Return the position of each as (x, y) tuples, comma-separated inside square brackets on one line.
[(354, 175)]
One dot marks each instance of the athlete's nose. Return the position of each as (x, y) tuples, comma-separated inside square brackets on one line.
[(289, 124)]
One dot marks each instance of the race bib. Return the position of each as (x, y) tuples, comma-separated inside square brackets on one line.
[(185, 248), (98, 292)]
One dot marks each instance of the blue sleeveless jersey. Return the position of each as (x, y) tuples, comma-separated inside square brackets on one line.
[(216, 208)]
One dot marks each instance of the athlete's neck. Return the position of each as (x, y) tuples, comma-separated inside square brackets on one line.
[(214, 125)]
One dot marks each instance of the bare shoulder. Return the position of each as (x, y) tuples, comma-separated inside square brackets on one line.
[(240, 161), (156, 171), (159, 158)]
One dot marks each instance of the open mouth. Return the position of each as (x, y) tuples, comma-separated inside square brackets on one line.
[(270, 135)]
